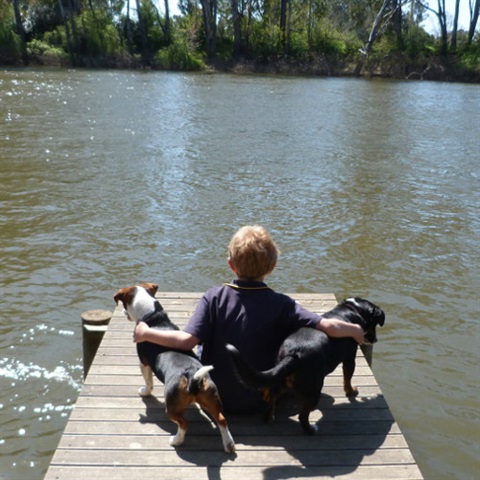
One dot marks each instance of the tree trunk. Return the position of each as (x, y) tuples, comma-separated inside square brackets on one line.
[(442, 20), (453, 43), (72, 9), (128, 28), (168, 29), (67, 31), (237, 32), (248, 27), (283, 22), (377, 24), (397, 20), (310, 24), (474, 12), (143, 34), (209, 9), (21, 31)]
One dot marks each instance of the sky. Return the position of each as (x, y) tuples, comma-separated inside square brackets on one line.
[(431, 24)]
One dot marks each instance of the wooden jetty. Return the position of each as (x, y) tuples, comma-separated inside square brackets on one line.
[(114, 434)]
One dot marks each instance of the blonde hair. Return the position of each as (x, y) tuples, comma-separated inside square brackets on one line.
[(253, 252)]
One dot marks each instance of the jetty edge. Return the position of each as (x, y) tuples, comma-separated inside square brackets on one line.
[(114, 434)]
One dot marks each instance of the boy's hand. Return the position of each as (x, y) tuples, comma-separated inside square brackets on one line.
[(141, 328), (359, 335)]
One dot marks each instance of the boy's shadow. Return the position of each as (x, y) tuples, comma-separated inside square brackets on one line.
[(346, 434)]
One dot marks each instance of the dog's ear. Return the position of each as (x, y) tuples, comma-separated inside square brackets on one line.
[(119, 295), (151, 288), (379, 316)]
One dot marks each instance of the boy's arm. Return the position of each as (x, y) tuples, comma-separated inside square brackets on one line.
[(177, 339), (339, 328)]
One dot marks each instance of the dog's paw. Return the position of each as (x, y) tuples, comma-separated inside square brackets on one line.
[(230, 447), (269, 417), (351, 392), (227, 440), (145, 391), (310, 429), (177, 440)]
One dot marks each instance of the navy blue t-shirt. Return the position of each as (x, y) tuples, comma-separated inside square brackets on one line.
[(256, 320)]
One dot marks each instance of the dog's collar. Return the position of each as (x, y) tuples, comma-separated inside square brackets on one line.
[(158, 309)]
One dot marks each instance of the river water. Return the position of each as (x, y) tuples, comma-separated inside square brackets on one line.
[(370, 188)]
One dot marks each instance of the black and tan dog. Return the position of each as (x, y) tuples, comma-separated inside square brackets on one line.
[(308, 355), (186, 380)]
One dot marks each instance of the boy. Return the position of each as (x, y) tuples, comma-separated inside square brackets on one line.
[(247, 314)]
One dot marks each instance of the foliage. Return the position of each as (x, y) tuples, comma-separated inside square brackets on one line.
[(469, 58), (266, 41), (418, 42), (329, 39), (298, 45), (56, 38), (96, 33), (183, 54), (10, 45), (155, 35), (46, 53), (178, 57), (290, 32), (43, 17)]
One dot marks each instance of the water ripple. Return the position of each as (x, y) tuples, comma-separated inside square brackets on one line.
[(368, 187)]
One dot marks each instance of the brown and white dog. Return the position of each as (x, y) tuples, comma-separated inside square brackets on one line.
[(186, 380)]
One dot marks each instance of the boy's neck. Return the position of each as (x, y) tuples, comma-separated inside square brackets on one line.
[(260, 279)]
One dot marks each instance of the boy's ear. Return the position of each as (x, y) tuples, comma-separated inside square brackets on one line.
[(232, 265)]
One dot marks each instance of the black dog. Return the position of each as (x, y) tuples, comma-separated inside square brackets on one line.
[(186, 380), (308, 355)]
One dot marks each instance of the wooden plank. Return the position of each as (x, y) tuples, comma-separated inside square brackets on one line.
[(228, 471), (88, 441), (252, 456), (112, 433), (139, 424)]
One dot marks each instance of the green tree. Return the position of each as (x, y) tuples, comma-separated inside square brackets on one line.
[(387, 12), (10, 42), (20, 30)]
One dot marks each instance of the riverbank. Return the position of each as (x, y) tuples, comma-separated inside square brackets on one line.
[(398, 67), (395, 66)]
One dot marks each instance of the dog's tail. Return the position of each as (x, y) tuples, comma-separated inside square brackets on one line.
[(261, 379), (196, 381)]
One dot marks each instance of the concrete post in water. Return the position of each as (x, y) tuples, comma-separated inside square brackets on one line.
[(94, 325), (368, 353)]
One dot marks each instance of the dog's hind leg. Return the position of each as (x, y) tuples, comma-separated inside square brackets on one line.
[(176, 402), (148, 377), (227, 439), (310, 395), (177, 439), (307, 428), (270, 396), (210, 402), (176, 414)]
